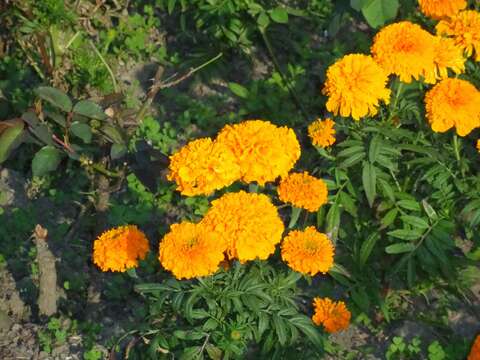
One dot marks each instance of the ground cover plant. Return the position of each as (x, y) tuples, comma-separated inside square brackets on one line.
[(240, 179)]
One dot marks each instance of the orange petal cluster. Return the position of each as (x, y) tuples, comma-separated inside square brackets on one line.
[(322, 132), (303, 190), (334, 316), (438, 9)]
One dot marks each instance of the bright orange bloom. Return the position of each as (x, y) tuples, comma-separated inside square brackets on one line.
[(119, 249), (303, 191), (405, 49), (453, 103), (203, 166), (249, 223), (355, 86), (322, 133), (189, 251), (308, 251), (263, 151), (438, 9), (447, 56), (334, 316), (475, 351), (464, 28)]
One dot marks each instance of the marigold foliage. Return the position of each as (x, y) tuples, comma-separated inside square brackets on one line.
[(203, 166), (303, 191), (334, 316), (189, 251), (475, 351), (263, 151), (322, 133), (438, 9), (404, 49), (453, 103), (355, 85), (120, 248), (309, 251), (249, 223), (464, 28)]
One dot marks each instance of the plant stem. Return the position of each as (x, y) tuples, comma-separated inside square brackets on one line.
[(294, 216), (290, 88), (456, 149), (393, 109), (112, 76)]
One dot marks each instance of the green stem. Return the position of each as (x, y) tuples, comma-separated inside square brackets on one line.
[(253, 188), (393, 108), (112, 76), (294, 217), (99, 168), (290, 88), (456, 149)]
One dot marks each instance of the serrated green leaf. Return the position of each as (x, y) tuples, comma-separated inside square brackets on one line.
[(399, 248), (280, 329), (389, 218), (55, 97), (46, 160), (431, 213), (409, 205), (89, 109), (369, 179), (374, 149), (352, 160)]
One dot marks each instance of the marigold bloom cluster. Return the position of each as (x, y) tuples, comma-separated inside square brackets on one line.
[(464, 28), (453, 103), (249, 224), (322, 133), (407, 50), (203, 166), (475, 351), (119, 249), (303, 191), (334, 316), (263, 151), (189, 251), (438, 9), (355, 85), (309, 251)]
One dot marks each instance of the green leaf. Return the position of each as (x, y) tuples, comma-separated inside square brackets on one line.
[(377, 12), (399, 248), (263, 20), (10, 138), (415, 221), (171, 6), (348, 203), (55, 97), (389, 218), (333, 222), (369, 179), (117, 151), (405, 234), (431, 213), (367, 247), (89, 109), (409, 205), (214, 352), (352, 160), (280, 329), (82, 131), (357, 4), (46, 160), (279, 15), (238, 90), (374, 149)]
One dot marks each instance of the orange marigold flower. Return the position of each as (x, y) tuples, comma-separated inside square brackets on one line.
[(322, 133), (475, 351), (334, 316), (447, 56), (453, 103), (405, 49), (308, 251), (263, 151), (189, 251), (249, 223), (464, 27), (355, 85), (303, 191), (203, 166), (438, 9), (120, 248)]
